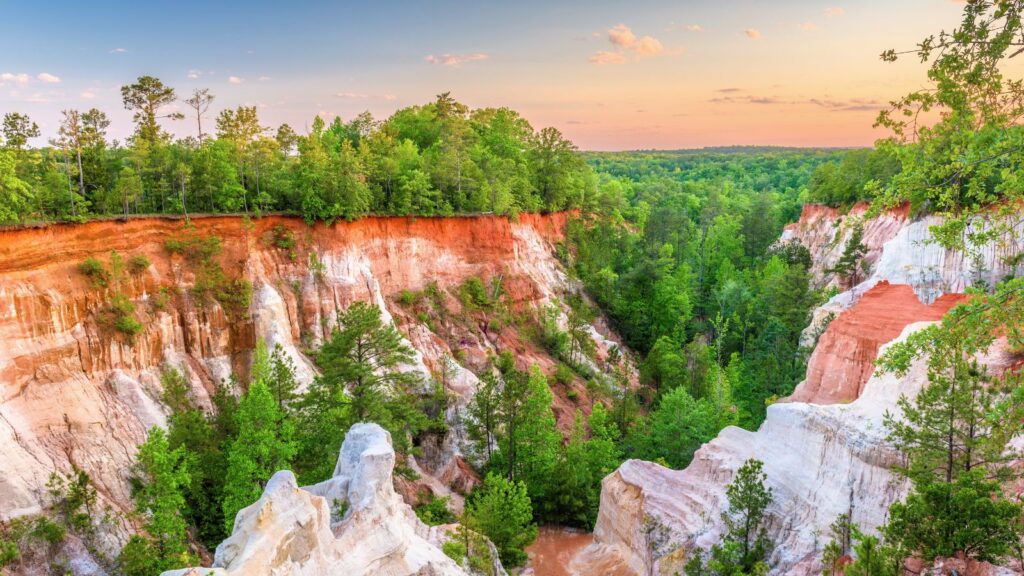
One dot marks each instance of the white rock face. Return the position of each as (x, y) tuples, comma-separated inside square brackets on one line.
[(821, 461), (289, 530)]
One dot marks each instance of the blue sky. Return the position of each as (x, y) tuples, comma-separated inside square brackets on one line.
[(610, 74)]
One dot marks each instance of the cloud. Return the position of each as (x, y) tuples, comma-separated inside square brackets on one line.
[(808, 26), (606, 57), (753, 33), (832, 105), (263, 78), (729, 90), (235, 79), (88, 94), (848, 105), (834, 11), (621, 35), (456, 60), (48, 78), (352, 95), (694, 28), (390, 97), (623, 38), (16, 78), (118, 50), (193, 73)]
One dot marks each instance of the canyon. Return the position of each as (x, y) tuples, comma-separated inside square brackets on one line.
[(76, 394)]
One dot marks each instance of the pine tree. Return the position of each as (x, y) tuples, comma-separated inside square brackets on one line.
[(262, 446), (748, 500), (955, 436), (502, 511), (161, 474), (362, 380), (851, 261)]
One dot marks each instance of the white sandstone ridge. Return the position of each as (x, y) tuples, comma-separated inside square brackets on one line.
[(900, 250), (295, 530), (821, 461)]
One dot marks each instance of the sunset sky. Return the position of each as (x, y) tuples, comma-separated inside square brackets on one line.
[(612, 75)]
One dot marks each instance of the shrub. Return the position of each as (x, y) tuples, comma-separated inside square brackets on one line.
[(564, 375), (283, 239), (435, 512), (138, 264), (96, 272), (473, 293), (195, 248)]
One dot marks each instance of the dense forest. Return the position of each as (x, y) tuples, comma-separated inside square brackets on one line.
[(437, 159), (688, 269)]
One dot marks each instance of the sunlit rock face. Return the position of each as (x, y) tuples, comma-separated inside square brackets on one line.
[(75, 392), (301, 531)]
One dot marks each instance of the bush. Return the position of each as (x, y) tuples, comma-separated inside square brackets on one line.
[(435, 512), (564, 375), (138, 264), (195, 248), (283, 239), (96, 272)]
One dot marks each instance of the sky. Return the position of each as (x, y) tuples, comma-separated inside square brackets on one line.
[(610, 74)]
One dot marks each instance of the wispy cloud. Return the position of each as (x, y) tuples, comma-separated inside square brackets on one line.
[(352, 95), (88, 94), (193, 73), (235, 79), (753, 33), (808, 26), (263, 78), (118, 50), (730, 90), (834, 11), (48, 78), (14, 78), (456, 60), (694, 28), (832, 105), (606, 57)]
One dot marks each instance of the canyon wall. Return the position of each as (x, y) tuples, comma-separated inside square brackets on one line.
[(74, 392), (824, 448)]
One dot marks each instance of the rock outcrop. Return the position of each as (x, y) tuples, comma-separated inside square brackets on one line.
[(298, 531), (75, 392)]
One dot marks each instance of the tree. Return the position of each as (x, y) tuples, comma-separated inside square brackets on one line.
[(71, 129), (200, 102), (362, 380), (971, 157), (18, 129), (745, 518), (15, 193), (129, 188), (160, 476), (852, 259), (263, 445), (502, 512), (677, 428), (956, 438), (144, 99)]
